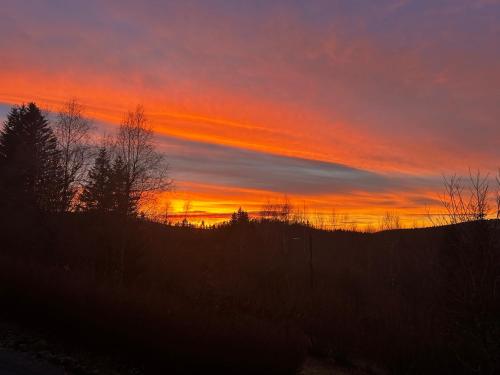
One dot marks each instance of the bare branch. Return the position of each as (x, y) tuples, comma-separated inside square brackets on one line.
[(146, 169), (72, 129)]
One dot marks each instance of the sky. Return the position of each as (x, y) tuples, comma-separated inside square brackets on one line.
[(353, 106)]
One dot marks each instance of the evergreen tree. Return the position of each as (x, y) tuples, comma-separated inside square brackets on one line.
[(239, 217), (106, 189), (30, 169), (123, 201), (97, 194)]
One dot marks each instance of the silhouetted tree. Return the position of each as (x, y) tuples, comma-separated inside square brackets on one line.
[(30, 169), (466, 201), (72, 130), (470, 262), (145, 170), (390, 221), (98, 191), (280, 211), (239, 217), (123, 202)]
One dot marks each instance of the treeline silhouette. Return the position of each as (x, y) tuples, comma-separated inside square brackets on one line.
[(245, 296)]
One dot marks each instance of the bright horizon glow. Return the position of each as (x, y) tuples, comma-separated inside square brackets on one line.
[(348, 106)]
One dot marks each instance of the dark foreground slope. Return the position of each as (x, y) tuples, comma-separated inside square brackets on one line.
[(257, 297), (13, 363)]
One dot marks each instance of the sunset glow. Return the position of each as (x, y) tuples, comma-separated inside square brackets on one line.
[(353, 107)]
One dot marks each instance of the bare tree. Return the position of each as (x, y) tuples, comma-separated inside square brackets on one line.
[(72, 129), (320, 220), (142, 170), (167, 207), (470, 262), (186, 209), (467, 200), (300, 215), (281, 211), (390, 221), (268, 211), (145, 168), (334, 220)]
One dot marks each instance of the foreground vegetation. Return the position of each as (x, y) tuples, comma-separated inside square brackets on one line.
[(247, 296)]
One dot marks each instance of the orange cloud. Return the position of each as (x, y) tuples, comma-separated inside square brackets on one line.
[(262, 126), (395, 93)]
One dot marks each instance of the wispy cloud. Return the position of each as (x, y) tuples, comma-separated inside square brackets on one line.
[(320, 98)]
